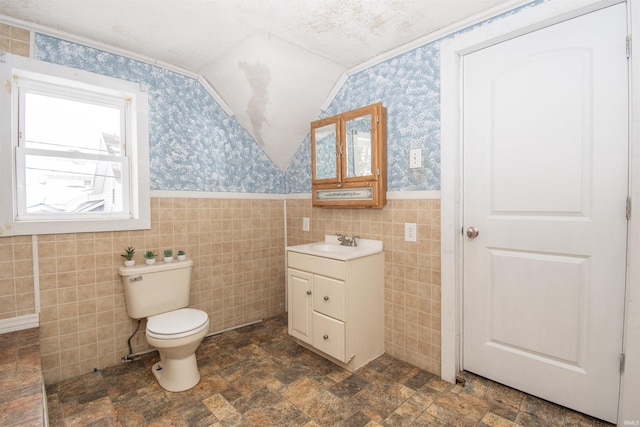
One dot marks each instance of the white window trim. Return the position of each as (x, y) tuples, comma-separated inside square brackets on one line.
[(139, 184)]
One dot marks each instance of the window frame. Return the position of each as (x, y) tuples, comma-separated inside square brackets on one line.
[(136, 207)]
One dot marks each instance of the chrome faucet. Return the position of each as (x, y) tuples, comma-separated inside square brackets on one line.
[(347, 241)]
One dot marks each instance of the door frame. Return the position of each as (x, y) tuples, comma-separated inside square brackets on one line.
[(452, 51)]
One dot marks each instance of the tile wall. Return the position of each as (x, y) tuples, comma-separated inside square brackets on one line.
[(412, 270), (14, 40), (16, 277), (238, 277)]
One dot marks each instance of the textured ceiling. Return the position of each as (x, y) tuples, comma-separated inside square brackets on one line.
[(273, 62)]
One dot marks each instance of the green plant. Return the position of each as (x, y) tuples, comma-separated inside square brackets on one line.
[(168, 253), (149, 255), (180, 252), (128, 253)]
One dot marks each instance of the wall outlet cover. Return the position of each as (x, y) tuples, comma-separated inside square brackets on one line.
[(410, 232)]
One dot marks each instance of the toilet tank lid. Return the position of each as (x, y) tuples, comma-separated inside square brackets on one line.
[(177, 321), (160, 266)]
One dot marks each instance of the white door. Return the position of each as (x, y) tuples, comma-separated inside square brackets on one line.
[(545, 185)]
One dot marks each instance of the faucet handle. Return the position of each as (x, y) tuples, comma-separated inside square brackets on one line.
[(353, 239)]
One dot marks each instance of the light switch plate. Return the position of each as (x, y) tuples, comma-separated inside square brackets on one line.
[(410, 232), (305, 224), (415, 158)]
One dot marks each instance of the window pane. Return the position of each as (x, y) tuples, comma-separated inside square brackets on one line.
[(54, 123), (58, 185)]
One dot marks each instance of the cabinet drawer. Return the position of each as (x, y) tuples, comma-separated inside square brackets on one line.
[(316, 264), (328, 297), (328, 336)]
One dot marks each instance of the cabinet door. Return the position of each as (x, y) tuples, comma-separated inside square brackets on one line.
[(325, 150), (300, 308), (359, 156)]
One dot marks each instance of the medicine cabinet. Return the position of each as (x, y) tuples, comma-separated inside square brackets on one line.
[(349, 159)]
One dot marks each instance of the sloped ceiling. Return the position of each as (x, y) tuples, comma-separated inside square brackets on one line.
[(273, 62)]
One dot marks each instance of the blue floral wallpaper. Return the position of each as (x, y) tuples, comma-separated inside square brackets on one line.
[(194, 144), (409, 87)]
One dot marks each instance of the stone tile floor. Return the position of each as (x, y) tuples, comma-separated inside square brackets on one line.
[(257, 375), (21, 392)]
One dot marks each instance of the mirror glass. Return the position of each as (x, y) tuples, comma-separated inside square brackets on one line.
[(325, 142), (358, 150)]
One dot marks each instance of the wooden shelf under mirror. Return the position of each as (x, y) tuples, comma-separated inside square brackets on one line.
[(349, 159)]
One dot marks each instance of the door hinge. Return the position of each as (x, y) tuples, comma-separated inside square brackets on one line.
[(628, 208), (377, 118), (621, 363), (378, 171), (628, 46)]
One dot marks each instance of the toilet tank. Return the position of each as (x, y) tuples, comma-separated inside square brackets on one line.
[(155, 289)]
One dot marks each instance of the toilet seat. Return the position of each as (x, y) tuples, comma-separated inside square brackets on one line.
[(177, 323)]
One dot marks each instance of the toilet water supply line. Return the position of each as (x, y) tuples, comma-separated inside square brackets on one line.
[(130, 357)]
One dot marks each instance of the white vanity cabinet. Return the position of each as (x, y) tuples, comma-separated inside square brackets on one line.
[(336, 307)]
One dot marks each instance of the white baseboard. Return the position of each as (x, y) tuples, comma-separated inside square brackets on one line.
[(19, 323)]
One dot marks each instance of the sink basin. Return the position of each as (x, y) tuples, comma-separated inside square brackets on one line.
[(331, 248), (326, 247)]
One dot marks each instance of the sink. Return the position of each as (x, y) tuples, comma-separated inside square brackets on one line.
[(331, 248)]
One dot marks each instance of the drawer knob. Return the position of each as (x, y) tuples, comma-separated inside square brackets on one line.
[(308, 292), (326, 298), (326, 337)]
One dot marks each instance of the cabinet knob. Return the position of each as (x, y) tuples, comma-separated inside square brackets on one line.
[(308, 292), (326, 298), (326, 337)]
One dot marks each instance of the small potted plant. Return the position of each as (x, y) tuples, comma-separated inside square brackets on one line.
[(128, 257), (168, 255), (150, 257), (181, 255)]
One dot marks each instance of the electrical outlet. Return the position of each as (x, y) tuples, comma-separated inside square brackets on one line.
[(410, 232), (305, 224), (415, 158)]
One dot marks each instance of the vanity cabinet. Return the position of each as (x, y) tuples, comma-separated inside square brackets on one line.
[(336, 308), (349, 160)]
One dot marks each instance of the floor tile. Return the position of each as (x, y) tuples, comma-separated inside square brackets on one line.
[(258, 375)]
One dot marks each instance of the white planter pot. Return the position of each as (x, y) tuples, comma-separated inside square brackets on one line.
[(168, 259), (129, 262), (150, 261), (182, 257)]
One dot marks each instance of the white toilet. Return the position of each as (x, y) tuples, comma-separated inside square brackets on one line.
[(160, 292)]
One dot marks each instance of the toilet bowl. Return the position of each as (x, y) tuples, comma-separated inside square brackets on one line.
[(176, 335)]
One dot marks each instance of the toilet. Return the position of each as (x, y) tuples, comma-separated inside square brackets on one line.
[(160, 293)]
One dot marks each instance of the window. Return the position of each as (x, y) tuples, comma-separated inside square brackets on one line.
[(73, 151)]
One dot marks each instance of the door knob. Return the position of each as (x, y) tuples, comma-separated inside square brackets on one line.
[(472, 232)]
